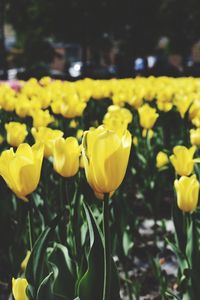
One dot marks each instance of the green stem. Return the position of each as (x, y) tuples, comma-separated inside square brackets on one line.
[(30, 228), (107, 249)]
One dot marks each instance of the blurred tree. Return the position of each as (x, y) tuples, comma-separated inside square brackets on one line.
[(138, 23)]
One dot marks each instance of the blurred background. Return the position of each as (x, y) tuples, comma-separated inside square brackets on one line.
[(73, 39)]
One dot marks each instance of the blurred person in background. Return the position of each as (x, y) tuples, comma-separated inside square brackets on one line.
[(193, 65)]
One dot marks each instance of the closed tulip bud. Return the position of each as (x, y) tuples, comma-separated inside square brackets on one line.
[(21, 169), (148, 116), (135, 141), (195, 137), (183, 160), (161, 159), (19, 286), (105, 157), (16, 133), (25, 261), (47, 137), (187, 189), (66, 155)]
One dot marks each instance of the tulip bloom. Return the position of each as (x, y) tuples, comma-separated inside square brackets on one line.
[(47, 137), (66, 155), (105, 157), (16, 133), (19, 286), (183, 161), (195, 137), (21, 169), (161, 159), (148, 116), (41, 118), (187, 189)]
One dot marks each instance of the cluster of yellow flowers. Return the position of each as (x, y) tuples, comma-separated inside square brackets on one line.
[(104, 151)]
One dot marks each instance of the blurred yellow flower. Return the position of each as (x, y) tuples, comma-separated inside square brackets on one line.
[(187, 189), (47, 137), (195, 137), (135, 141), (148, 116), (147, 133), (21, 169), (16, 133), (161, 159), (41, 118)]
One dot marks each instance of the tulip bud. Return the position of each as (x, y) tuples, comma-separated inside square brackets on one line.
[(161, 159), (66, 155), (25, 261), (187, 189), (105, 156)]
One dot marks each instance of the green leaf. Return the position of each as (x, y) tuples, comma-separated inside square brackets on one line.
[(45, 288), (127, 242), (90, 286), (35, 270), (64, 276)]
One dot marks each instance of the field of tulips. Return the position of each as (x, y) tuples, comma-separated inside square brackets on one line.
[(99, 189)]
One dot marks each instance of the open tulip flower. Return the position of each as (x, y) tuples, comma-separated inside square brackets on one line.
[(21, 169), (105, 157), (183, 160)]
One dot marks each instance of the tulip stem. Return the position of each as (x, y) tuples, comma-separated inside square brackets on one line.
[(30, 229), (107, 249)]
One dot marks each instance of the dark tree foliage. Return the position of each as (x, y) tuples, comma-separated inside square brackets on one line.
[(137, 22)]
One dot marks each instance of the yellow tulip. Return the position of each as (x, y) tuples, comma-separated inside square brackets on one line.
[(135, 141), (147, 133), (41, 118), (25, 261), (148, 116), (105, 157), (19, 286), (1, 139), (66, 155), (182, 160), (187, 189), (16, 133), (21, 169), (47, 137), (195, 137), (79, 134), (161, 159)]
